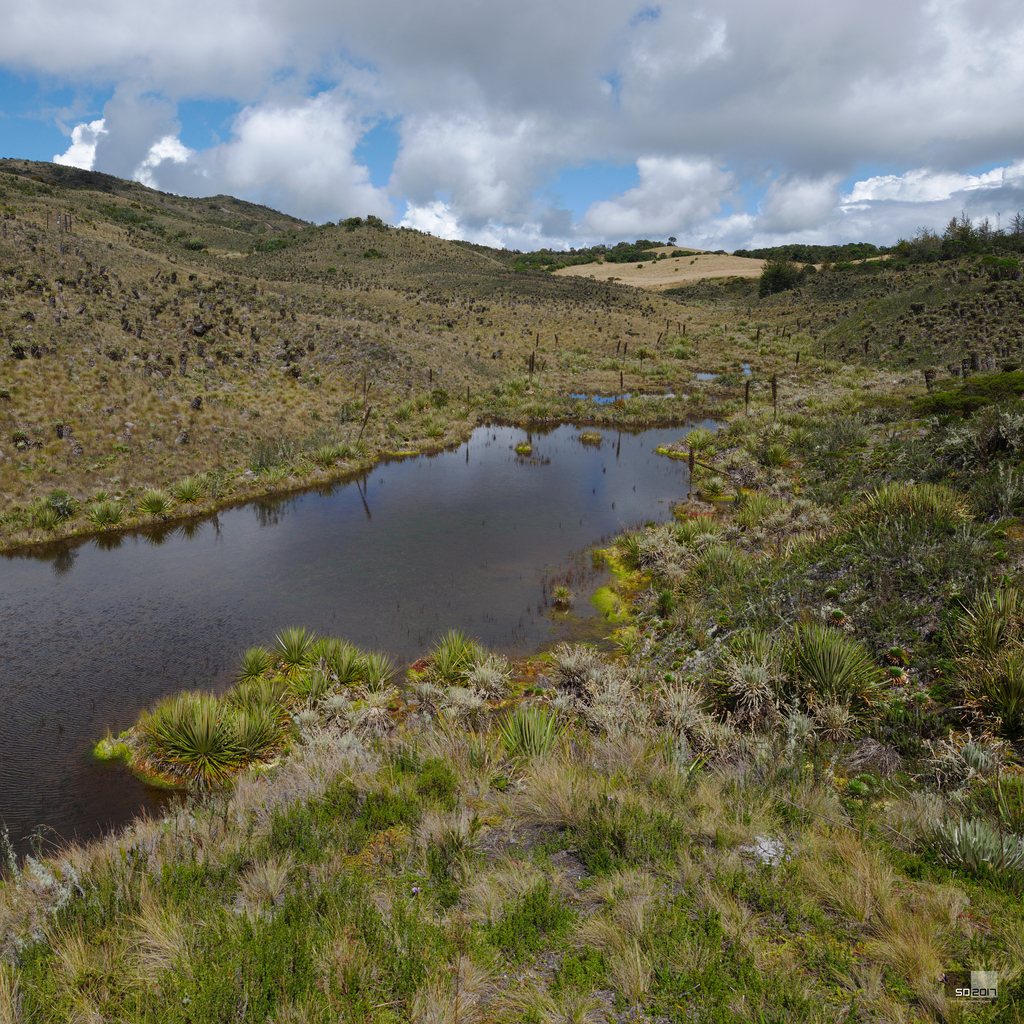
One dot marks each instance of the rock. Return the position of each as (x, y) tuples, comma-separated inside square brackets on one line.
[(196, 403), (767, 850), (182, 437)]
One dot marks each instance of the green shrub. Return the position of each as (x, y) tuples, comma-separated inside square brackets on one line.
[(973, 394), (206, 740), (978, 847), (437, 782), (384, 809), (62, 504), (615, 836), (933, 506), (256, 663), (105, 513), (294, 648), (453, 656), (190, 489), (535, 920), (779, 275)]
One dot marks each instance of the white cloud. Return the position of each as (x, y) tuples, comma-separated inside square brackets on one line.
[(797, 204), (82, 151), (167, 148), (674, 196), (298, 157), (492, 100)]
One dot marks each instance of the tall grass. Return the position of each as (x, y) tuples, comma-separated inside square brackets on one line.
[(294, 649), (453, 656), (528, 733)]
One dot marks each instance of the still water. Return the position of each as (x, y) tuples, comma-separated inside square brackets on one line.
[(471, 538)]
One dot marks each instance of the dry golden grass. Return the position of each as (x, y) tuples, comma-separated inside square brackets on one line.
[(670, 272)]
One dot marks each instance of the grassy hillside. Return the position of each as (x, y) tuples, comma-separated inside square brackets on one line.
[(162, 339), (789, 786)]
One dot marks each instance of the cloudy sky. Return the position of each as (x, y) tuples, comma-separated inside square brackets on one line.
[(541, 122)]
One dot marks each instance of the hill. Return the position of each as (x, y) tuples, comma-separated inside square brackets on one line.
[(150, 339)]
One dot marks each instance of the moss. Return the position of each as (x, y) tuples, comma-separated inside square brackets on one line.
[(610, 605)]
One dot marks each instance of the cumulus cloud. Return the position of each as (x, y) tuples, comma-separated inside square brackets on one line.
[(82, 151), (674, 196), (298, 157), (167, 148), (491, 101)]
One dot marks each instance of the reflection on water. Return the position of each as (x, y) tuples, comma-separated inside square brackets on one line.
[(472, 538)]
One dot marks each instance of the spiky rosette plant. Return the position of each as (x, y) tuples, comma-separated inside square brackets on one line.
[(294, 649), (834, 668)]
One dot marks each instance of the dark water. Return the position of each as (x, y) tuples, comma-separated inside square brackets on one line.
[(470, 538)]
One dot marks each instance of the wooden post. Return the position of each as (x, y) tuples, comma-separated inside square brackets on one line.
[(622, 386), (366, 419)]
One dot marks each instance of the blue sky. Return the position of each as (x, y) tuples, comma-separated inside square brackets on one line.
[(727, 125)]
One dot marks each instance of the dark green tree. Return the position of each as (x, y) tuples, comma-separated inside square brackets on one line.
[(778, 275)]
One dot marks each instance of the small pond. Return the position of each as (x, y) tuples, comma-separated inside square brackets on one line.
[(471, 538)]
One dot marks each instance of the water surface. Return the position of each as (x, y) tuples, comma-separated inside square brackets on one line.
[(470, 538)]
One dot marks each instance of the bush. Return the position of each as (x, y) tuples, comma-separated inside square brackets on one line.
[(535, 920), (836, 668), (614, 836), (437, 782), (155, 503), (779, 275), (978, 847)]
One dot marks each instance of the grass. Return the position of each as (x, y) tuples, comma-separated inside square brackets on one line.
[(828, 669)]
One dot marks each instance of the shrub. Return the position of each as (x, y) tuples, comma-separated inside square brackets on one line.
[(613, 835), (206, 740), (977, 846), (328, 454), (343, 659), (295, 649), (453, 656), (105, 513), (377, 670), (437, 782), (779, 275), (47, 518), (255, 663), (989, 623), (533, 921), (933, 506), (62, 504)]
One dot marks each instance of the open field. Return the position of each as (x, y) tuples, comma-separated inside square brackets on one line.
[(669, 272)]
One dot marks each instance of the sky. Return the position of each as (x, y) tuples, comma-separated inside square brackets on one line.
[(732, 124)]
